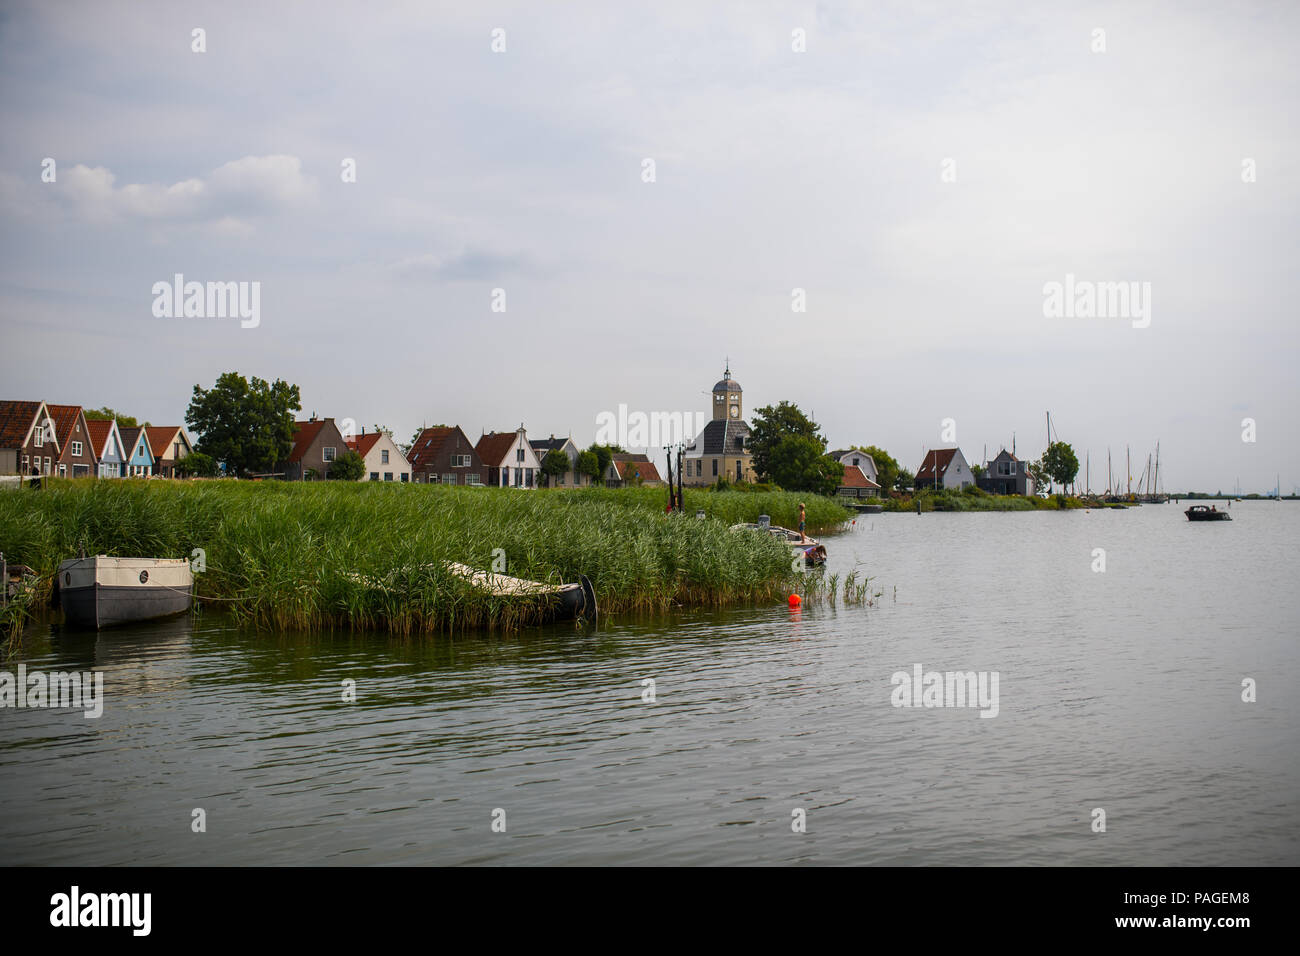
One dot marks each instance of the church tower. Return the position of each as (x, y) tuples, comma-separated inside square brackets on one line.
[(727, 399)]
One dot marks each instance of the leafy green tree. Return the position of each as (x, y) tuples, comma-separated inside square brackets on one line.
[(904, 482), (977, 471), (604, 455), (247, 425), (789, 451), (1039, 476), (588, 464), (107, 414), (554, 464), (1060, 463), (196, 464), (349, 466), (886, 466)]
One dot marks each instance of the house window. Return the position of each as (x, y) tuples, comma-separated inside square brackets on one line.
[(474, 478), (39, 439), (405, 477), (76, 449), (374, 476), (448, 479), (519, 454), (63, 471), (528, 477), (47, 466), (26, 460), (460, 461), (383, 456), (327, 453), (560, 480), (519, 477), (715, 467), (388, 476)]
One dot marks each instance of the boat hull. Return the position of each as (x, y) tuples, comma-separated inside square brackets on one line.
[(104, 592), (1195, 515)]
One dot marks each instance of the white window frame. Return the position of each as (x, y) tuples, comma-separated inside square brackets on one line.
[(329, 452)]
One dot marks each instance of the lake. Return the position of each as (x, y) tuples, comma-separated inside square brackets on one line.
[(1119, 690)]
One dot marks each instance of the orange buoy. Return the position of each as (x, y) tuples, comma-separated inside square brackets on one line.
[(795, 601)]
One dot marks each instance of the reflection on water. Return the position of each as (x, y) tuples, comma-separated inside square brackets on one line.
[(1118, 690)]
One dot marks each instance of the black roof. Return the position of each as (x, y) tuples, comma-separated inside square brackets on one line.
[(727, 385), (720, 437), (548, 443)]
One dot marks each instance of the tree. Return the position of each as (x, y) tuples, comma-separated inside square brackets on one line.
[(604, 455), (107, 414), (247, 425), (904, 481), (588, 464), (1060, 463), (977, 471), (349, 466), (196, 464), (886, 466), (789, 451), (554, 464), (1039, 476)]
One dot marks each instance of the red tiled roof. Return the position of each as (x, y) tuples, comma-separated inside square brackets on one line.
[(645, 468), (427, 445), (99, 430), (304, 433), (363, 443), (160, 439), (936, 463), (64, 418), (855, 477), (16, 421), (493, 446)]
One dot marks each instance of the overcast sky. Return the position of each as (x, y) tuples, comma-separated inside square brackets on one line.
[(523, 170)]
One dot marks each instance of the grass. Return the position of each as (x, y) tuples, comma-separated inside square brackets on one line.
[(298, 555)]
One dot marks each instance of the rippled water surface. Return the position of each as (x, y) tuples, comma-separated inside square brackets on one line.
[(1119, 690)]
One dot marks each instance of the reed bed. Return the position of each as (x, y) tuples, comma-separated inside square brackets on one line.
[(372, 556)]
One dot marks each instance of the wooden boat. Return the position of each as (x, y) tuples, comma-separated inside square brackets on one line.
[(102, 591), (563, 602), (814, 552), (1206, 513)]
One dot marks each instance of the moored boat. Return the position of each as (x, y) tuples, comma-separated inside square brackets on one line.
[(561, 602), (103, 591), (1206, 513)]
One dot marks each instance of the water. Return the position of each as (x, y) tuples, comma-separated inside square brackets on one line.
[(1119, 690)]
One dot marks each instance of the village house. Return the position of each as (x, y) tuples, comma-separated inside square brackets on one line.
[(944, 468), (139, 457), (629, 469), (106, 444), (1005, 475), (856, 458), (444, 455), (856, 484), (721, 450), (76, 457), (28, 439), (509, 459), (317, 444), (384, 460), (570, 478), (169, 444)]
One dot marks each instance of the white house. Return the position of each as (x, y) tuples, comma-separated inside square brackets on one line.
[(384, 460), (944, 468), (571, 478), (855, 458), (509, 459)]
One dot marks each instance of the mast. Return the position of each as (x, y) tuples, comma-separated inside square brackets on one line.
[(1128, 471), (1156, 482), (1110, 475)]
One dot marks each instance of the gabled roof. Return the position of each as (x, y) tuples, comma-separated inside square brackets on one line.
[(161, 438), (645, 468), (549, 444), (100, 429), (493, 446), (304, 433), (428, 445), (935, 464), (1004, 454), (64, 418), (16, 420), (855, 477), (131, 438), (363, 443)]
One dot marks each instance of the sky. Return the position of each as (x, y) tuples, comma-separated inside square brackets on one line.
[(922, 173)]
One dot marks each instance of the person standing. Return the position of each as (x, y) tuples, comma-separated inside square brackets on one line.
[(803, 517)]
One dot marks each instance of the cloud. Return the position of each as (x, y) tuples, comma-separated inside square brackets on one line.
[(468, 264)]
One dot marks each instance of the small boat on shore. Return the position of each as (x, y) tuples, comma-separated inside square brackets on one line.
[(814, 552), (563, 602), (1206, 513), (101, 591)]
